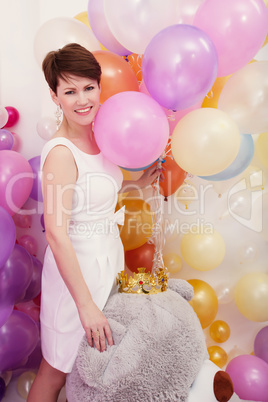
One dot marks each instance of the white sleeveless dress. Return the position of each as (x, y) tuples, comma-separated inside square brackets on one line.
[(95, 237)]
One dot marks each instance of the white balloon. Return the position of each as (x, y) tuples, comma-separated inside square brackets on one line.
[(46, 127), (3, 117), (58, 32), (134, 23)]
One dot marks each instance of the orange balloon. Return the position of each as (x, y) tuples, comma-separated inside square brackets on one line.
[(204, 302), (135, 62), (117, 76), (217, 355), (140, 257), (212, 97), (219, 331), (138, 225)]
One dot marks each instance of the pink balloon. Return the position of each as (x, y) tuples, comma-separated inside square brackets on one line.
[(131, 129), (101, 30), (13, 116), (237, 27), (179, 66), (249, 375), (261, 344), (16, 180), (29, 243)]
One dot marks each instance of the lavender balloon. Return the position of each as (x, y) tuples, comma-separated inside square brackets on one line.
[(15, 275), (261, 344), (179, 66), (6, 139), (36, 193), (7, 235), (34, 287), (249, 375), (18, 338)]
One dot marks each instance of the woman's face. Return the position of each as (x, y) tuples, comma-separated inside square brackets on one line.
[(79, 99)]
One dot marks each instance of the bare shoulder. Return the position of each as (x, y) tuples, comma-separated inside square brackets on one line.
[(60, 161)]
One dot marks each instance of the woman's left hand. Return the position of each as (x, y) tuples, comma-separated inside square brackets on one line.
[(150, 175)]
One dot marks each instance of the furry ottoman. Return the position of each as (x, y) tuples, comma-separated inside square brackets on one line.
[(159, 350)]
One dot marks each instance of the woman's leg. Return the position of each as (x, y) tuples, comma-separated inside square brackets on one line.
[(47, 384)]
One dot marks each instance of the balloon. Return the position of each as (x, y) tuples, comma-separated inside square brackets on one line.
[(18, 338), (16, 180), (261, 344), (169, 73), (24, 383), (187, 10), (135, 62), (205, 141), (251, 296), (254, 177), (172, 262), (13, 116), (29, 243), (101, 29), (2, 388), (117, 76), (83, 17), (17, 142), (137, 228), (261, 146), (16, 275), (22, 219), (219, 331), (225, 292), (244, 98), (241, 162), (3, 116), (34, 287), (6, 139), (42, 221), (29, 308), (140, 257), (58, 32), (6, 308), (204, 302), (217, 355), (46, 127), (249, 376), (131, 129), (212, 97), (186, 193), (36, 193), (134, 24), (7, 235), (203, 251), (237, 28)]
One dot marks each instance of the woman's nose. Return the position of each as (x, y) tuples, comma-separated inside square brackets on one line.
[(82, 99)]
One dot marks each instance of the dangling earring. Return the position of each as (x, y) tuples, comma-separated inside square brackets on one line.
[(58, 114)]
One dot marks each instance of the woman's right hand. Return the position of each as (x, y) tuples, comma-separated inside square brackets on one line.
[(96, 327)]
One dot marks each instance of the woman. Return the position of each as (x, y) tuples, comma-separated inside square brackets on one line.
[(84, 252)]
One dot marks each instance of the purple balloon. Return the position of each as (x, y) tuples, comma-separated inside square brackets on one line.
[(261, 344), (249, 375), (34, 287), (179, 66), (16, 274), (6, 139), (7, 235), (18, 338), (2, 388), (36, 193), (42, 221), (6, 308)]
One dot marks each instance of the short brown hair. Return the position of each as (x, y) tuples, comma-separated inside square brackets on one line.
[(72, 59)]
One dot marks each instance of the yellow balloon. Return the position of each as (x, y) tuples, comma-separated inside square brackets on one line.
[(217, 355), (138, 225), (172, 262), (251, 296), (205, 141), (204, 302), (219, 331), (203, 251), (126, 176), (24, 383), (83, 17), (212, 97), (261, 147)]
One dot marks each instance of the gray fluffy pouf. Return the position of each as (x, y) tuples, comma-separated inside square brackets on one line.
[(159, 350)]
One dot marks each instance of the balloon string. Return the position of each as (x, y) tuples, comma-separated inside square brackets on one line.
[(157, 236)]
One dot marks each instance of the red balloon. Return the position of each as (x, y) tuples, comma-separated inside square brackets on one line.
[(140, 257), (13, 116)]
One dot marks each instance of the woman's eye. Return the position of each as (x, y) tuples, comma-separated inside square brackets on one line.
[(69, 92), (90, 88)]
